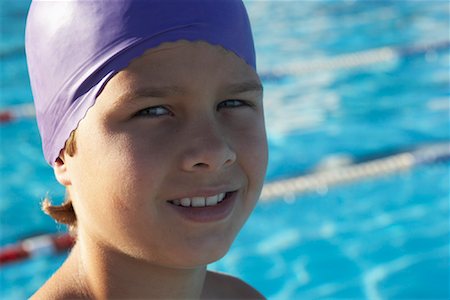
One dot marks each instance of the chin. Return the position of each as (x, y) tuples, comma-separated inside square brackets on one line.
[(204, 255), (208, 256), (185, 255)]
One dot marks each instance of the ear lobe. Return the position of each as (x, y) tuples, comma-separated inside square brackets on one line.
[(61, 172)]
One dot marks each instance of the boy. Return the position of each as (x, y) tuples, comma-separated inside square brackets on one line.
[(151, 115)]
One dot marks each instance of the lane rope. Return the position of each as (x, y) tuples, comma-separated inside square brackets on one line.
[(47, 244), (323, 180), (355, 59), (17, 112)]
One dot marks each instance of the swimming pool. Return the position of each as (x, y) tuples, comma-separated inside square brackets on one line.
[(346, 80)]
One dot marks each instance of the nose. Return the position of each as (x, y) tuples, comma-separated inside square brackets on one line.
[(207, 149)]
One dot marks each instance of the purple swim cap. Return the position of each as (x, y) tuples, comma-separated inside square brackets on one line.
[(74, 47)]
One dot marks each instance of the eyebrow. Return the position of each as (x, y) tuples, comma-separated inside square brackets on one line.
[(152, 92), (166, 91), (243, 87)]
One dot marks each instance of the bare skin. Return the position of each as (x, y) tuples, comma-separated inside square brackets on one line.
[(183, 120), (69, 283)]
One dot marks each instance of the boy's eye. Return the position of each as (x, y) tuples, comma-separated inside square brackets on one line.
[(155, 111), (232, 103)]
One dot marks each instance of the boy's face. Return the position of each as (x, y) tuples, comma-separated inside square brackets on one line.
[(184, 120)]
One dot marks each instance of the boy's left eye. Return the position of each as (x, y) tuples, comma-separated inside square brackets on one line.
[(155, 111), (232, 103)]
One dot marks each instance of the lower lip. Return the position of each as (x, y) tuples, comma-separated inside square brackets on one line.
[(207, 214)]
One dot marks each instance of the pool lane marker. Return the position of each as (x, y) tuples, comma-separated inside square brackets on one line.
[(353, 60), (41, 245), (321, 181), (17, 112)]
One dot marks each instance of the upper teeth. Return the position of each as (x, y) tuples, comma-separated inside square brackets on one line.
[(199, 201)]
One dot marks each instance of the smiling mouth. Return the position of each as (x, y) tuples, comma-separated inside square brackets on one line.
[(201, 201)]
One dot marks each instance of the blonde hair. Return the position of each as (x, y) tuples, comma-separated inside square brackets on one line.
[(64, 213)]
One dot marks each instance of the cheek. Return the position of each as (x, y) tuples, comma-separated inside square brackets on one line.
[(104, 167), (116, 176), (253, 151)]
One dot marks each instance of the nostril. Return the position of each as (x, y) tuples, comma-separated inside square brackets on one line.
[(206, 158), (231, 158), (229, 162), (201, 165)]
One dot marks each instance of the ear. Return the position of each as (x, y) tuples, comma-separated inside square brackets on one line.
[(60, 169)]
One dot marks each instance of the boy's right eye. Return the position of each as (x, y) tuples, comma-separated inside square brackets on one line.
[(154, 112)]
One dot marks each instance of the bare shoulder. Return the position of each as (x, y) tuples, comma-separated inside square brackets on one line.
[(62, 285), (223, 286), (56, 289)]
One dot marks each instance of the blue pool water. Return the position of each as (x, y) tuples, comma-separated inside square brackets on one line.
[(382, 238)]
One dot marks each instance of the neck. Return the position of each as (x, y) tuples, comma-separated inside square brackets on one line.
[(105, 274)]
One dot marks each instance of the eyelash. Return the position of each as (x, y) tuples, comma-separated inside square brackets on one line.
[(240, 103), (151, 112), (146, 112)]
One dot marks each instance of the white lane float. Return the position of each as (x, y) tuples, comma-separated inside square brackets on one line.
[(47, 244), (354, 60), (17, 112), (326, 178)]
